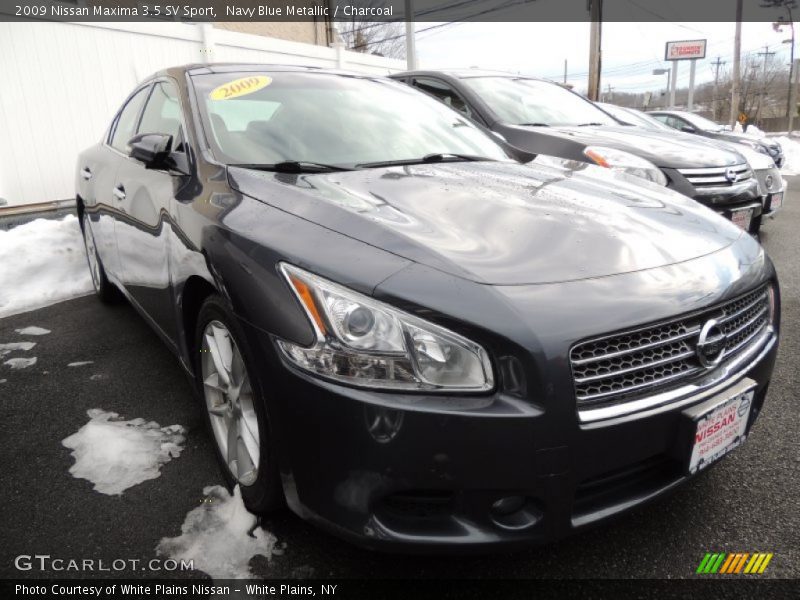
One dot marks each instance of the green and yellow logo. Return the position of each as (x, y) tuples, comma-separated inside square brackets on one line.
[(734, 563)]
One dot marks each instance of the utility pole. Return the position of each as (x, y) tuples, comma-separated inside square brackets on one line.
[(565, 71), (793, 94), (715, 101), (411, 47), (790, 110), (595, 44), (672, 83), (737, 51), (609, 89), (763, 96), (690, 100)]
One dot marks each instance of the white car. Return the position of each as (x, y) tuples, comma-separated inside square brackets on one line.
[(771, 185)]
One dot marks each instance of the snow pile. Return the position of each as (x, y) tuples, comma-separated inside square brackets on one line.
[(791, 150), (81, 363), (32, 330), (115, 455), (15, 346), (21, 363), (44, 262), (220, 536), (755, 132)]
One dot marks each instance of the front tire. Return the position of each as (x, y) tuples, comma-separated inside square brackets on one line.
[(104, 289), (235, 407)]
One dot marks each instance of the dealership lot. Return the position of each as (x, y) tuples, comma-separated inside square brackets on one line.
[(748, 503)]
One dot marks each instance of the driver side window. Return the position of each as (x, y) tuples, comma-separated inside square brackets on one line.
[(125, 126), (163, 114)]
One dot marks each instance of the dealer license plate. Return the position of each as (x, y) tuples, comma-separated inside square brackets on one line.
[(741, 218), (776, 201), (720, 430)]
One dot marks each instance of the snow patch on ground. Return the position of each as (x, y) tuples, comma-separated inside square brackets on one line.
[(3, 380), (81, 363), (14, 346), (21, 363), (220, 536), (114, 454), (33, 330), (791, 151), (44, 262)]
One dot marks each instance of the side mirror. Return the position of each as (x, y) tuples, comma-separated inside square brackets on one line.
[(152, 149), (688, 129)]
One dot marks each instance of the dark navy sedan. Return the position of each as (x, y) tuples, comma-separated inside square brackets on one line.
[(410, 338)]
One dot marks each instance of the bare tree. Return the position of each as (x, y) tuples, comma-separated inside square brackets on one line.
[(381, 38)]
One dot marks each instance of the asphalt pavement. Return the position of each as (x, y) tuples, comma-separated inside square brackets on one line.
[(750, 502)]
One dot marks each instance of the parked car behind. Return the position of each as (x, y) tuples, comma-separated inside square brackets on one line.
[(416, 341), (771, 185), (545, 118), (695, 124)]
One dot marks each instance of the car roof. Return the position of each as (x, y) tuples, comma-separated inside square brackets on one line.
[(465, 74), (210, 68)]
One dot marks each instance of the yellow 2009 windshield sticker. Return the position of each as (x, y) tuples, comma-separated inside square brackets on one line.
[(240, 87)]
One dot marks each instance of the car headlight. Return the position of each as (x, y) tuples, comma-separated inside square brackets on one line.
[(757, 146), (619, 160), (367, 343)]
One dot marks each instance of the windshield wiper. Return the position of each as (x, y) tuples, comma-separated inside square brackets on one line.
[(435, 157), (589, 124), (533, 124), (293, 166)]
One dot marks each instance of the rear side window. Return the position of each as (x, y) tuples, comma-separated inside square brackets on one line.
[(666, 119), (163, 114), (126, 121), (442, 91)]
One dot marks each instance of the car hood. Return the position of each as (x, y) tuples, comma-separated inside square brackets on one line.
[(744, 138), (662, 149), (501, 223)]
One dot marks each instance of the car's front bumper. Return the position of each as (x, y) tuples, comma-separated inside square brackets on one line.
[(415, 473), (723, 199)]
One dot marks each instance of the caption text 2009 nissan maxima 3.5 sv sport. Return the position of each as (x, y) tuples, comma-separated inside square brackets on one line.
[(414, 340)]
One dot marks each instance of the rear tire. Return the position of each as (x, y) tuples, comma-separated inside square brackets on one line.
[(235, 408), (104, 289)]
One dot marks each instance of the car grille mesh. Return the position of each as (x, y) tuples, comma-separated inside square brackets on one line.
[(716, 176), (631, 364)]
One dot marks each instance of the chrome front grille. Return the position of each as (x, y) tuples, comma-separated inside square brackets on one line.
[(631, 364), (714, 177)]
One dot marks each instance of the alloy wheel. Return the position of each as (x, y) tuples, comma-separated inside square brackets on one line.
[(229, 401)]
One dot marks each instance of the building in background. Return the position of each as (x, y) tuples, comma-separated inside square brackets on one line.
[(55, 103)]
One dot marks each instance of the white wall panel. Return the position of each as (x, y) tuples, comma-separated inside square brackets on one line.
[(62, 82)]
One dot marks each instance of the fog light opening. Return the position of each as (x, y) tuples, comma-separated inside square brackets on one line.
[(515, 512)]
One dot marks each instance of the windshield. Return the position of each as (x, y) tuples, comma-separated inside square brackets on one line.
[(264, 118), (701, 122), (532, 102)]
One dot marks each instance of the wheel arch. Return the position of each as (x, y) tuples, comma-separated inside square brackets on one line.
[(195, 291)]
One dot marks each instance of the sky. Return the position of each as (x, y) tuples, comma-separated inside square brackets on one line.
[(630, 50)]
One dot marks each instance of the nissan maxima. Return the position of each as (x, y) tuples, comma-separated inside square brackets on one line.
[(411, 339)]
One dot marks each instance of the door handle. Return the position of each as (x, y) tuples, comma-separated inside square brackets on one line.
[(119, 192), (86, 173)]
